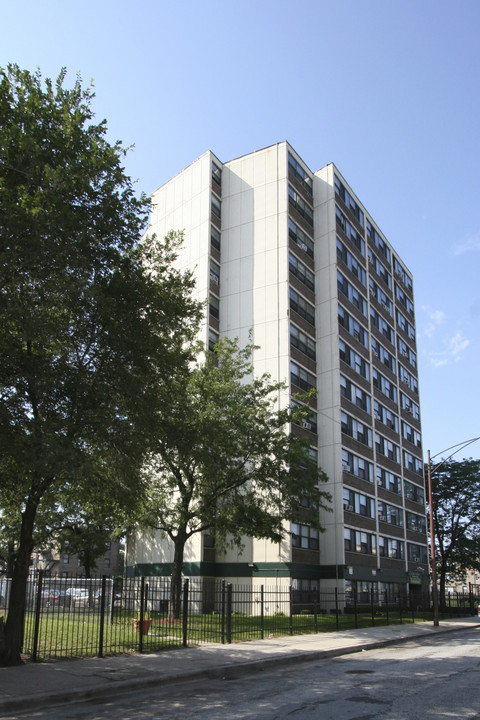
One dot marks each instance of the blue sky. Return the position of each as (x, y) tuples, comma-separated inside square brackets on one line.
[(388, 91)]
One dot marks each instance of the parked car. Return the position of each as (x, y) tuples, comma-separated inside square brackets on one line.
[(54, 597), (117, 597), (78, 597)]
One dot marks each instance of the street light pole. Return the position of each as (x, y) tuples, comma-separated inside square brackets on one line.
[(432, 548)]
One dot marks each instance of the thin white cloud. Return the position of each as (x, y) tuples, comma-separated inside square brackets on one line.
[(434, 319), (453, 350), (469, 245)]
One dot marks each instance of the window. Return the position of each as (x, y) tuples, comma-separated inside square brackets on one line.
[(356, 430), (302, 342), (299, 173), (383, 355), (216, 173), (106, 563), (354, 360), (65, 558), (412, 463), (301, 271), (389, 481), (416, 522), (351, 262), (382, 325), (300, 238), (385, 416), (309, 422), (409, 433), (404, 325), (403, 300), (387, 448), (343, 193), (352, 326), (351, 293), (302, 378), (361, 542), (355, 394), (214, 305), (357, 466), (302, 307), (417, 553), (374, 235), (414, 492), (407, 378), (402, 274), (390, 514), (408, 405), (391, 548), (380, 296), (358, 503), (379, 268), (214, 272), (216, 206), (213, 338), (304, 537), (348, 229), (385, 386), (302, 207), (215, 237)]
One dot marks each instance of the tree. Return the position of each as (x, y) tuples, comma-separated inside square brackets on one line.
[(456, 518), (93, 322), (224, 461)]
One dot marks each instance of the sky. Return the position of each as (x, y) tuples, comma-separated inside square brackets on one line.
[(387, 90)]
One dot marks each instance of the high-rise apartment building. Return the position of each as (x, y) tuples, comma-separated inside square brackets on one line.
[(294, 256)]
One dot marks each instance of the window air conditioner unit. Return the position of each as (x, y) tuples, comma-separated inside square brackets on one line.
[(348, 468), (377, 416), (383, 518), (349, 508), (302, 246)]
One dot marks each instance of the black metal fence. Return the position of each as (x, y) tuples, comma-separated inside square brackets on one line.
[(67, 618)]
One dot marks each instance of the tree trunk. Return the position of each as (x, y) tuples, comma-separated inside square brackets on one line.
[(176, 579), (11, 647)]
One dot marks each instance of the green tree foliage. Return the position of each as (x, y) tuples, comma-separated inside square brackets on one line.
[(93, 323), (456, 519), (224, 461)]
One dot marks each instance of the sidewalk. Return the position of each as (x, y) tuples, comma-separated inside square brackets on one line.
[(40, 685)]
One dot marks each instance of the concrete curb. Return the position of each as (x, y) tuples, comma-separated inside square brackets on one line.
[(225, 671)]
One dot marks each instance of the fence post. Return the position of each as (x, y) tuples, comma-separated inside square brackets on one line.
[(355, 597), (142, 613), (223, 612), (400, 609), (372, 609), (262, 617), (102, 616), (315, 609), (38, 601), (185, 612), (229, 613), (290, 594), (336, 608), (386, 607)]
